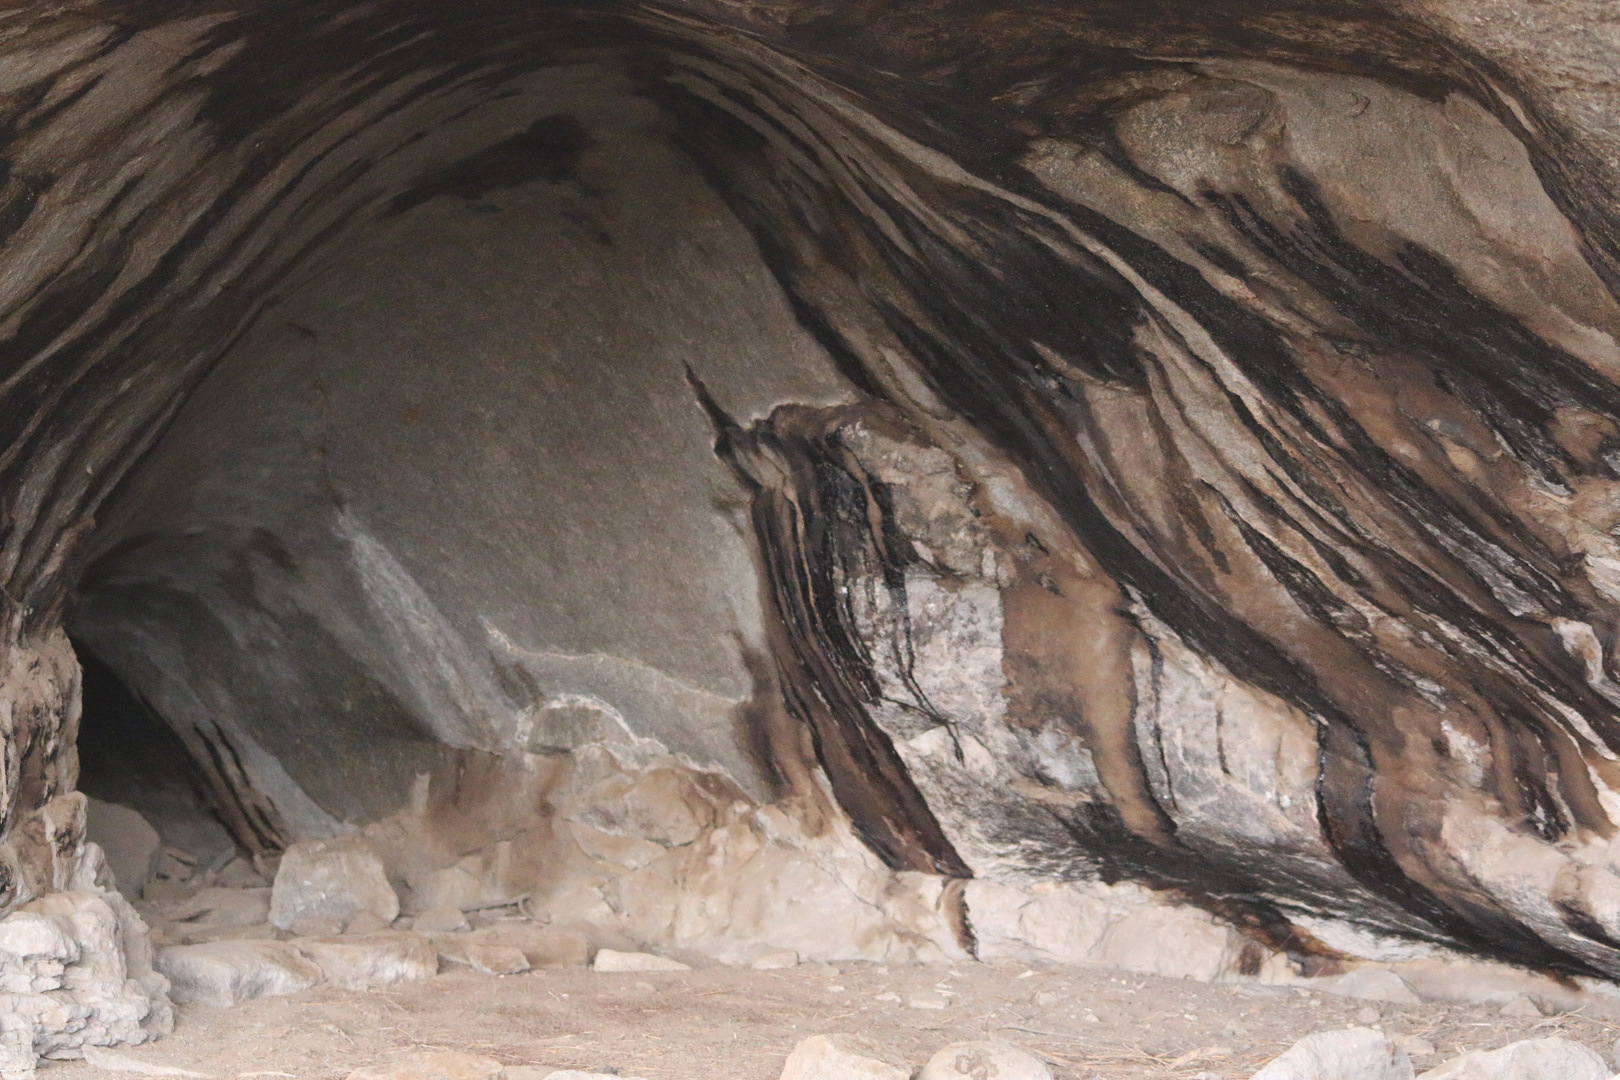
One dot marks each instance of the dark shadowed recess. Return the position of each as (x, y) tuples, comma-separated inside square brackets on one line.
[(976, 82)]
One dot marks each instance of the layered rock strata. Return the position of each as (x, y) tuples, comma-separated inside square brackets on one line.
[(967, 454)]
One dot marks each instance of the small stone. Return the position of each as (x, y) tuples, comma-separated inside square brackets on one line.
[(1521, 1005), (357, 963), (979, 1060), (1415, 1045), (433, 1065), (927, 999), (1368, 1016), (843, 1057), (367, 922), (614, 960), (775, 960), (888, 995), (497, 959), (1352, 1054), (1047, 998), (227, 972), (440, 919), (335, 879), (1532, 1059)]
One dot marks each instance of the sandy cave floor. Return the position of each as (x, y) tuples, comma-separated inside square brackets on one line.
[(729, 1024)]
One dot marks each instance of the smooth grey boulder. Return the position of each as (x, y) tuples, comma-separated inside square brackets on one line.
[(1532, 1059), (1352, 1054)]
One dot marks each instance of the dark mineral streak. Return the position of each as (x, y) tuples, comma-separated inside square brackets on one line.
[(1287, 325)]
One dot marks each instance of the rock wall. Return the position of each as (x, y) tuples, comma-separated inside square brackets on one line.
[(951, 450)]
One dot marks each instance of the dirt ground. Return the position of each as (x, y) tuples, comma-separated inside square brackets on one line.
[(727, 1024)]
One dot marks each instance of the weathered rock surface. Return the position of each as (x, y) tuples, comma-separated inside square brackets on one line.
[(1532, 1059), (331, 879), (614, 960), (1354, 1054), (843, 1057), (226, 972), (381, 959), (433, 1065), (126, 839), (983, 1061), (985, 452), (1370, 984)]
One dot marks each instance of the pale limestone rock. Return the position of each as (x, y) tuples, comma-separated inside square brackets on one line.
[(367, 922), (113, 1061), (334, 879), (433, 1065), (226, 972), (497, 959), (1521, 1006), (1174, 942), (927, 999), (316, 926), (983, 1060), (774, 960), (614, 960), (200, 916), (127, 840), (1352, 1054), (374, 960), (440, 918), (1369, 984), (843, 1057), (1532, 1059), (75, 969)]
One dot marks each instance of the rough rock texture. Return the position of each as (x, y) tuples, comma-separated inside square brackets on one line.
[(364, 961), (226, 972), (842, 1057), (1532, 1059), (1354, 1054), (76, 967), (331, 879), (973, 1060), (880, 481)]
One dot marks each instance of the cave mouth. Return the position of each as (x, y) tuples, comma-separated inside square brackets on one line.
[(550, 446), (453, 492)]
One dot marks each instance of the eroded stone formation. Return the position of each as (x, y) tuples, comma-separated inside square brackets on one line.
[(830, 479)]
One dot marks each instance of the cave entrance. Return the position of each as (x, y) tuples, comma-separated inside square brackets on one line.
[(451, 493)]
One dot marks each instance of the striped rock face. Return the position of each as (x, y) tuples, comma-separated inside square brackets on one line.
[(951, 447)]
